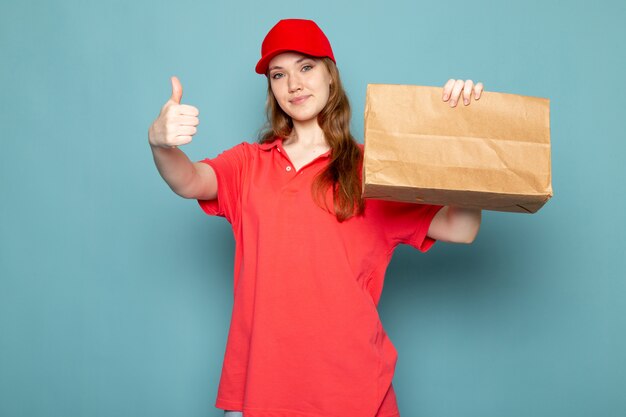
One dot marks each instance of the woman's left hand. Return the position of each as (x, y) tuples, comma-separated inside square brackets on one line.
[(453, 88)]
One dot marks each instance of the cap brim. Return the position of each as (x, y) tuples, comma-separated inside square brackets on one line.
[(262, 65)]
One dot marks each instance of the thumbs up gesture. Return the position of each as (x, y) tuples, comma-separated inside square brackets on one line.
[(176, 123)]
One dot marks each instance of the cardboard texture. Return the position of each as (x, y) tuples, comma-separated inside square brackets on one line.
[(493, 154)]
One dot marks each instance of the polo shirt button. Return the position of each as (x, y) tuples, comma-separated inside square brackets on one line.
[(288, 168)]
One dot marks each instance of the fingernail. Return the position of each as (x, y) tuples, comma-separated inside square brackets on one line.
[(452, 103), (445, 96), (466, 101)]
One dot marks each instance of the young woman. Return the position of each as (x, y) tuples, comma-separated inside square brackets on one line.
[(305, 338)]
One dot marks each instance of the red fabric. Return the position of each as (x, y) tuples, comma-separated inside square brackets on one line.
[(305, 338), (298, 35)]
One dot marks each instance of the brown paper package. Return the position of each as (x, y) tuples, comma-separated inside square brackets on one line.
[(493, 154)]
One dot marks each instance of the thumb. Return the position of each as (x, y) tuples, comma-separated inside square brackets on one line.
[(177, 90)]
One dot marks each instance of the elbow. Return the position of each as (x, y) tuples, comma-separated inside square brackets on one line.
[(470, 236), (186, 191), (470, 239), (469, 230), (183, 195), (189, 189), (465, 239), (461, 225)]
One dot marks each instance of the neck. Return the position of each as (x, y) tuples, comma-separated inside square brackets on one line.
[(307, 134)]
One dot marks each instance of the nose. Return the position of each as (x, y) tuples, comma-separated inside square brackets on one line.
[(295, 83)]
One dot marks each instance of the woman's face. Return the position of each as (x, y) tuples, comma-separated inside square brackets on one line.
[(300, 84)]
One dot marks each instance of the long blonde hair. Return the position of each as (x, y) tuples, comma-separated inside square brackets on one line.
[(342, 173)]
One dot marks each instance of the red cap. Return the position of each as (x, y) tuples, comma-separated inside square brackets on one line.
[(297, 35)]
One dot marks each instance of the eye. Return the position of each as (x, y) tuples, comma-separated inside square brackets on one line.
[(275, 76), (307, 66)]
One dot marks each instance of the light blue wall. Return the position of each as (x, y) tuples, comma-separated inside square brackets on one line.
[(115, 294)]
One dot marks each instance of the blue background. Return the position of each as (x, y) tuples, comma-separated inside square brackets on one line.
[(116, 294)]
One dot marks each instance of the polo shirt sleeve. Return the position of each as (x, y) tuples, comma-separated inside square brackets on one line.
[(229, 167), (408, 223)]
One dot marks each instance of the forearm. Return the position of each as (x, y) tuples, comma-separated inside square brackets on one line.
[(175, 168), (465, 222)]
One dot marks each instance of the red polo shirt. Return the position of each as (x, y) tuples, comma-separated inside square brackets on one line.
[(305, 338)]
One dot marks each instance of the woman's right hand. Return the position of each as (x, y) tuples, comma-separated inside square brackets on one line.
[(176, 123)]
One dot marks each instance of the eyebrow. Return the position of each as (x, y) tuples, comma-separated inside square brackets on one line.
[(297, 62)]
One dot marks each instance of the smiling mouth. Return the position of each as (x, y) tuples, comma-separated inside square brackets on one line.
[(299, 100)]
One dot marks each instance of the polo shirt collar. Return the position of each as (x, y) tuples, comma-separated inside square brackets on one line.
[(278, 142), (269, 145)]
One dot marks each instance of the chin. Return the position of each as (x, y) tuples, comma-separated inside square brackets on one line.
[(304, 119), (301, 116)]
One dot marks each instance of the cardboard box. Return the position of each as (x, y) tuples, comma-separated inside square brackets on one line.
[(493, 154)]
